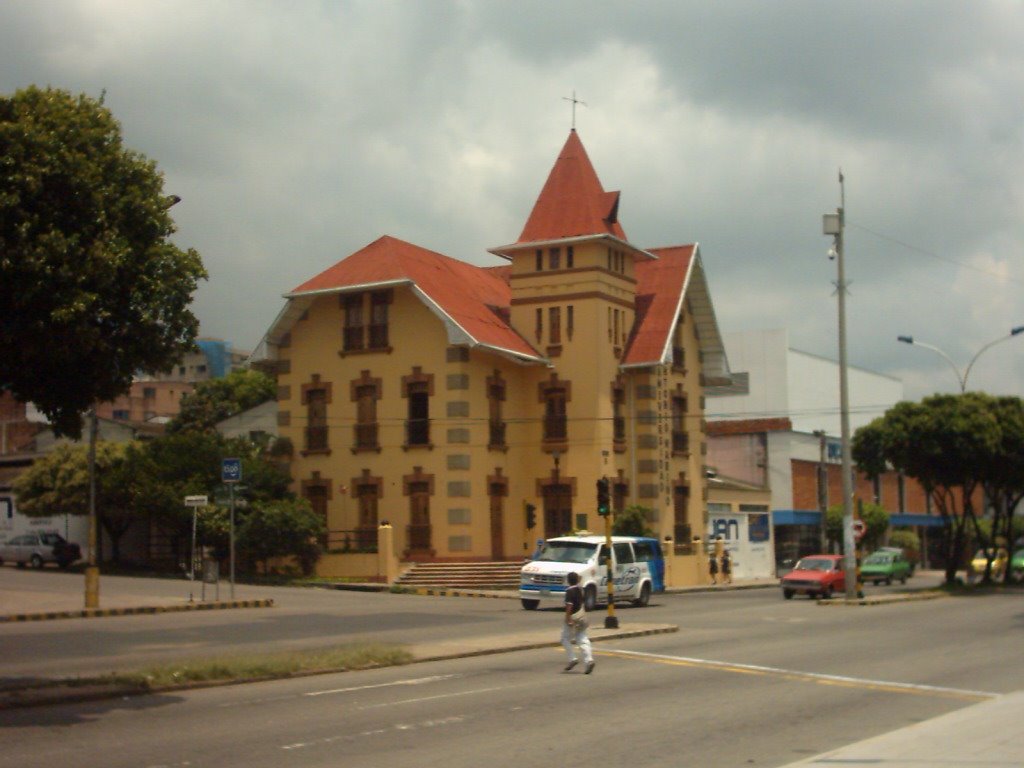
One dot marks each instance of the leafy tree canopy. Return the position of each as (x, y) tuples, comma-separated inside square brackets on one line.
[(632, 521), (95, 291), (875, 518), (214, 400)]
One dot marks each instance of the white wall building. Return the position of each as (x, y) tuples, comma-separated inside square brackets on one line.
[(784, 382)]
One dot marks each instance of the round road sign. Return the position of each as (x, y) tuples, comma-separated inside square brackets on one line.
[(859, 527)]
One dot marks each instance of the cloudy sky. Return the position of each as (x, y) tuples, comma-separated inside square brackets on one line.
[(298, 132)]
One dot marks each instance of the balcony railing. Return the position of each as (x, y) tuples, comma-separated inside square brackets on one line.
[(378, 336), (684, 539), (366, 436), (419, 537), (352, 337), (678, 358), (497, 433), (619, 426), (555, 428), (417, 432), (360, 540), (316, 438)]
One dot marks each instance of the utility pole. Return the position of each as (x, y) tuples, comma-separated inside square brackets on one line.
[(833, 224), (822, 488), (92, 571)]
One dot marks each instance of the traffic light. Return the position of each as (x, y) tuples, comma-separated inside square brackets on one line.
[(603, 501), (531, 516)]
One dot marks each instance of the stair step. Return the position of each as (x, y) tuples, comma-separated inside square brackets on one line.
[(493, 575)]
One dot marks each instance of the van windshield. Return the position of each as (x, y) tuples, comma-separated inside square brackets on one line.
[(566, 551)]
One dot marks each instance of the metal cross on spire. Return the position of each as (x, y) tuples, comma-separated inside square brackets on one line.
[(574, 101)]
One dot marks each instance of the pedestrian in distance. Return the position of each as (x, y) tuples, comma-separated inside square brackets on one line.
[(726, 567), (574, 628), (713, 568)]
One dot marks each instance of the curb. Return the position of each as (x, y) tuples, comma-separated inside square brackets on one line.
[(444, 592), (92, 613), (886, 599), (618, 635), (70, 692)]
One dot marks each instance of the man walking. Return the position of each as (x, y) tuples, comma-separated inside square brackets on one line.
[(574, 628)]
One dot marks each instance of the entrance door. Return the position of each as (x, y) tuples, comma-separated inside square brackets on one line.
[(497, 523), (557, 510)]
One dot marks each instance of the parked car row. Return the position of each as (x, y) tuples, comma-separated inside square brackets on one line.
[(824, 575), (38, 548)]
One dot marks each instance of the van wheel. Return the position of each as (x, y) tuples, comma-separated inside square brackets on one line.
[(37, 561), (788, 594), (645, 596), (827, 594), (530, 605), (590, 598)]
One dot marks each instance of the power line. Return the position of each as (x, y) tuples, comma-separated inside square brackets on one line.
[(932, 254)]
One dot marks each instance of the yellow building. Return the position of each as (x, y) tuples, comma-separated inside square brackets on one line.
[(448, 399)]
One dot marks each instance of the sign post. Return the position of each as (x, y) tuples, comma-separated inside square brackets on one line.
[(195, 502), (231, 474)]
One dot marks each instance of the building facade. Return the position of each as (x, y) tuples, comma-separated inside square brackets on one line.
[(474, 409)]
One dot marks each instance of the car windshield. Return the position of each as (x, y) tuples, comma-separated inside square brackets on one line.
[(878, 559), (566, 552), (814, 564)]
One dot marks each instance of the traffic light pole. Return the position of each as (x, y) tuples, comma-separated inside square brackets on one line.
[(604, 509)]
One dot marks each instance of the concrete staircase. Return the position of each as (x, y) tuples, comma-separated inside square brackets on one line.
[(500, 575)]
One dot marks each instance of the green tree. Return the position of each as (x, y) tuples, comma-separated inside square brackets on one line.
[(285, 528), (189, 463), (876, 521), (214, 400), (632, 521), (58, 484), (94, 290), (947, 443), (1004, 478)]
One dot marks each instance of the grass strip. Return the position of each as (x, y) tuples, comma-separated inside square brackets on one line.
[(261, 666)]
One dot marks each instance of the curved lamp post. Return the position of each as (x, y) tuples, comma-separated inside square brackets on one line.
[(961, 377)]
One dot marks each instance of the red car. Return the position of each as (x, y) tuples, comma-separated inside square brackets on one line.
[(820, 575)]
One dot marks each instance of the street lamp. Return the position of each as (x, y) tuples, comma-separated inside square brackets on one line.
[(961, 377), (832, 224)]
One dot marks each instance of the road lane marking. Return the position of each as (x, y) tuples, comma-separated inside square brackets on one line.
[(411, 681), (797, 675), (434, 698), (397, 727)]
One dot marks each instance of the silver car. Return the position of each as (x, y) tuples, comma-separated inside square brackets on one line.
[(39, 548)]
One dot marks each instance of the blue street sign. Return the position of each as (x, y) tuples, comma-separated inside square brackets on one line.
[(230, 470)]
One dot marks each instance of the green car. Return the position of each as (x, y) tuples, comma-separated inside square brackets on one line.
[(1017, 566), (884, 566)]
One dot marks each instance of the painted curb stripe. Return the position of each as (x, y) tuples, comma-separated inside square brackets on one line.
[(92, 613)]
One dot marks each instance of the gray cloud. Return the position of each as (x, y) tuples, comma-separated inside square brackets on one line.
[(297, 133)]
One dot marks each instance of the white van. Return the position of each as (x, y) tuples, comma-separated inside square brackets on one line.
[(637, 561)]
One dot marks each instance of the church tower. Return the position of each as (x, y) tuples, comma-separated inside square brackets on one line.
[(573, 296)]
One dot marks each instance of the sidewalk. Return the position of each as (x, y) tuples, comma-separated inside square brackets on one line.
[(985, 734)]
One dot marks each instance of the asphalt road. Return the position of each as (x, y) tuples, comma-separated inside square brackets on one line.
[(749, 679), (300, 618)]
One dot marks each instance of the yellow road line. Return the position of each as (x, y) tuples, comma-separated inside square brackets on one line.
[(807, 677)]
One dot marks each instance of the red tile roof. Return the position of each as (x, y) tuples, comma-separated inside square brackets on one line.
[(474, 298), (749, 426), (573, 202), (660, 284)]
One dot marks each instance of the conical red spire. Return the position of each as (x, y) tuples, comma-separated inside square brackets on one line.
[(573, 202)]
